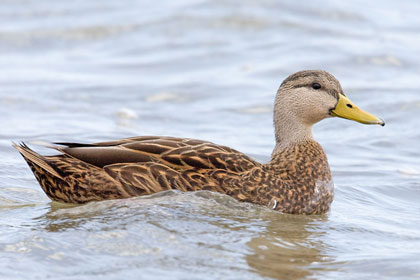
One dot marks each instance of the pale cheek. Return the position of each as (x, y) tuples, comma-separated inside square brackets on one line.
[(322, 111), (313, 114), (321, 114)]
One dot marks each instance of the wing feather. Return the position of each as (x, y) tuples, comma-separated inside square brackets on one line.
[(176, 153)]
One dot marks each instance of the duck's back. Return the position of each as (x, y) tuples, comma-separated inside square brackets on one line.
[(134, 167)]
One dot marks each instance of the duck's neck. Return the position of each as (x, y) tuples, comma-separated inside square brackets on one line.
[(291, 133)]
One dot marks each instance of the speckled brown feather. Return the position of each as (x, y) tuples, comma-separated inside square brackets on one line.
[(287, 183)]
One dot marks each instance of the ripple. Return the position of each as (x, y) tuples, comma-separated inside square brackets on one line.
[(95, 71)]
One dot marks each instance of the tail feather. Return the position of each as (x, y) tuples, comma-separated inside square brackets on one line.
[(69, 180), (32, 157)]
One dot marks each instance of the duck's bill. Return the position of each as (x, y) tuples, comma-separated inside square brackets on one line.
[(347, 110)]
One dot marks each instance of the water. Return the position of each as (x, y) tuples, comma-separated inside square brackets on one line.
[(95, 71)]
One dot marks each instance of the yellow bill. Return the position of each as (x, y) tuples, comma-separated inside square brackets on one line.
[(347, 110)]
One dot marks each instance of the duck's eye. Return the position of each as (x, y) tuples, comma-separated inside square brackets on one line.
[(316, 86)]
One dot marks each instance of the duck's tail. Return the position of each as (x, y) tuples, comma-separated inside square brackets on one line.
[(70, 180), (35, 159), (48, 177)]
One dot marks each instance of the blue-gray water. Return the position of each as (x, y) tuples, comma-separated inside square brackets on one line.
[(101, 70)]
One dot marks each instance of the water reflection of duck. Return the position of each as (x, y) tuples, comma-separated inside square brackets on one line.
[(296, 180), (288, 248)]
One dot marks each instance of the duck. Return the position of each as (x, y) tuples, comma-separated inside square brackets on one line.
[(297, 179)]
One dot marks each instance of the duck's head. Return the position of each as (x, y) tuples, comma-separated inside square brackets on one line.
[(307, 97)]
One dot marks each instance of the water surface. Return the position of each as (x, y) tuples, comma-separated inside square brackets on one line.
[(96, 71)]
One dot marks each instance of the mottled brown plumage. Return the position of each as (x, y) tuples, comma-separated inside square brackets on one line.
[(296, 180)]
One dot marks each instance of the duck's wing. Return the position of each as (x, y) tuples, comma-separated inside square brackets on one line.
[(176, 153), (128, 168)]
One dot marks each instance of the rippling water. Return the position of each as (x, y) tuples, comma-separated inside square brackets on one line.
[(95, 70)]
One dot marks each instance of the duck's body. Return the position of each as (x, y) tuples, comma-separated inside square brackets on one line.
[(296, 180)]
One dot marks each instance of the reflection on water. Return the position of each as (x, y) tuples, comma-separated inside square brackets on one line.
[(272, 244), (282, 246), (288, 247)]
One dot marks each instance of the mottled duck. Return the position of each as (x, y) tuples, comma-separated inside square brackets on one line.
[(296, 180)]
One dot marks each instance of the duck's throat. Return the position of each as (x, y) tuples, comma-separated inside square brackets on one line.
[(291, 133)]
